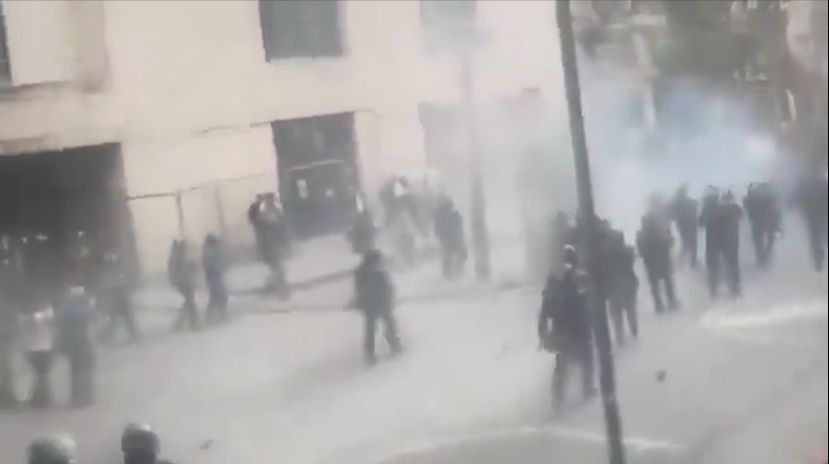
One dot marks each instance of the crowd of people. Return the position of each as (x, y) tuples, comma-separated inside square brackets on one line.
[(140, 444), (566, 323)]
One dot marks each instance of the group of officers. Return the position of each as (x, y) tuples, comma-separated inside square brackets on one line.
[(565, 324), (140, 444)]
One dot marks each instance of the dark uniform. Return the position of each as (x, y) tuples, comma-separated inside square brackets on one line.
[(764, 218), (181, 270), (363, 233), (449, 232), (374, 297), (141, 445), (115, 298), (731, 215), (213, 262), (684, 214), (564, 304), (621, 284), (654, 242), (272, 241), (75, 341), (712, 221)]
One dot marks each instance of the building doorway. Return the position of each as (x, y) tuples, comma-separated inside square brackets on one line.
[(46, 198), (318, 180)]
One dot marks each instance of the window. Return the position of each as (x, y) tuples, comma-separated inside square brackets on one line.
[(5, 71), (300, 28), (447, 23)]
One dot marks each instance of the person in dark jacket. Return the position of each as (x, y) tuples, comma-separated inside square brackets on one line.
[(140, 445), (654, 242), (114, 297), (213, 262), (731, 216), (621, 285), (684, 214), (564, 305), (75, 341), (181, 270), (711, 219), (272, 240), (449, 232), (374, 297), (763, 214)]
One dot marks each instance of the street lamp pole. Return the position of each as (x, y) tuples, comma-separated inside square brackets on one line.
[(613, 424), (480, 235)]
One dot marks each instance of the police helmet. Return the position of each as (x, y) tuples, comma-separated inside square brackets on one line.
[(53, 450), (140, 438)]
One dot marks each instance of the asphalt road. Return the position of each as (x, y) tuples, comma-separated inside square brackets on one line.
[(745, 382)]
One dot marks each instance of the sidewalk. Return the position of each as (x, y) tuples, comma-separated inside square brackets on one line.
[(316, 289)]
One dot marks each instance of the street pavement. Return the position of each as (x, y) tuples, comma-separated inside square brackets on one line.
[(727, 382)]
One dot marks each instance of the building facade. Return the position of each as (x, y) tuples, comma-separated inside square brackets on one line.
[(143, 120)]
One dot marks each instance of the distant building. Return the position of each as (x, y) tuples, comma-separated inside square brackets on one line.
[(107, 108)]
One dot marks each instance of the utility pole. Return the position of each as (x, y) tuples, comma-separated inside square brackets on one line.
[(613, 424), (480, 236)]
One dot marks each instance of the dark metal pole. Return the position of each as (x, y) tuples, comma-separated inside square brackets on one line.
[(613, 424), (480, 236)]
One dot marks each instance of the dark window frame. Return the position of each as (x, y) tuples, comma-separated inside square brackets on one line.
[(310, 29)]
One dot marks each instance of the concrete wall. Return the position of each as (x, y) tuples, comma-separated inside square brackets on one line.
[(185, 87)]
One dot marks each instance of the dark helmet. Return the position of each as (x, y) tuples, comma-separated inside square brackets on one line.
[(140, 438), (372, 258), (570, 256), (52, 450)]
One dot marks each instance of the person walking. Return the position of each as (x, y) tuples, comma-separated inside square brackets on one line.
[(181, 270), (374, 297), (75, 341), (37, 330), (215, 265)]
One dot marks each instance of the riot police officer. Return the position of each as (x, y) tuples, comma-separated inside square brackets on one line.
[(654, 242), (141, 445), (181, 270), (374, 297), (214, 264), (114, 297), (449, 232), (684, 212), (621, 284), (75, 341), (731, 214), (564, 304), (763, 215), (53, 450)]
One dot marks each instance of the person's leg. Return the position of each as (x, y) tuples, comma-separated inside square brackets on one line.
[(191, 312), (656, 294), (559, 384), (369, 326), (692, 246), (732, 263), (587, 371), (616, 316), (670, 290), (391, 333), (630, 312), (41, 362), (757, 240), (712, 264)]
